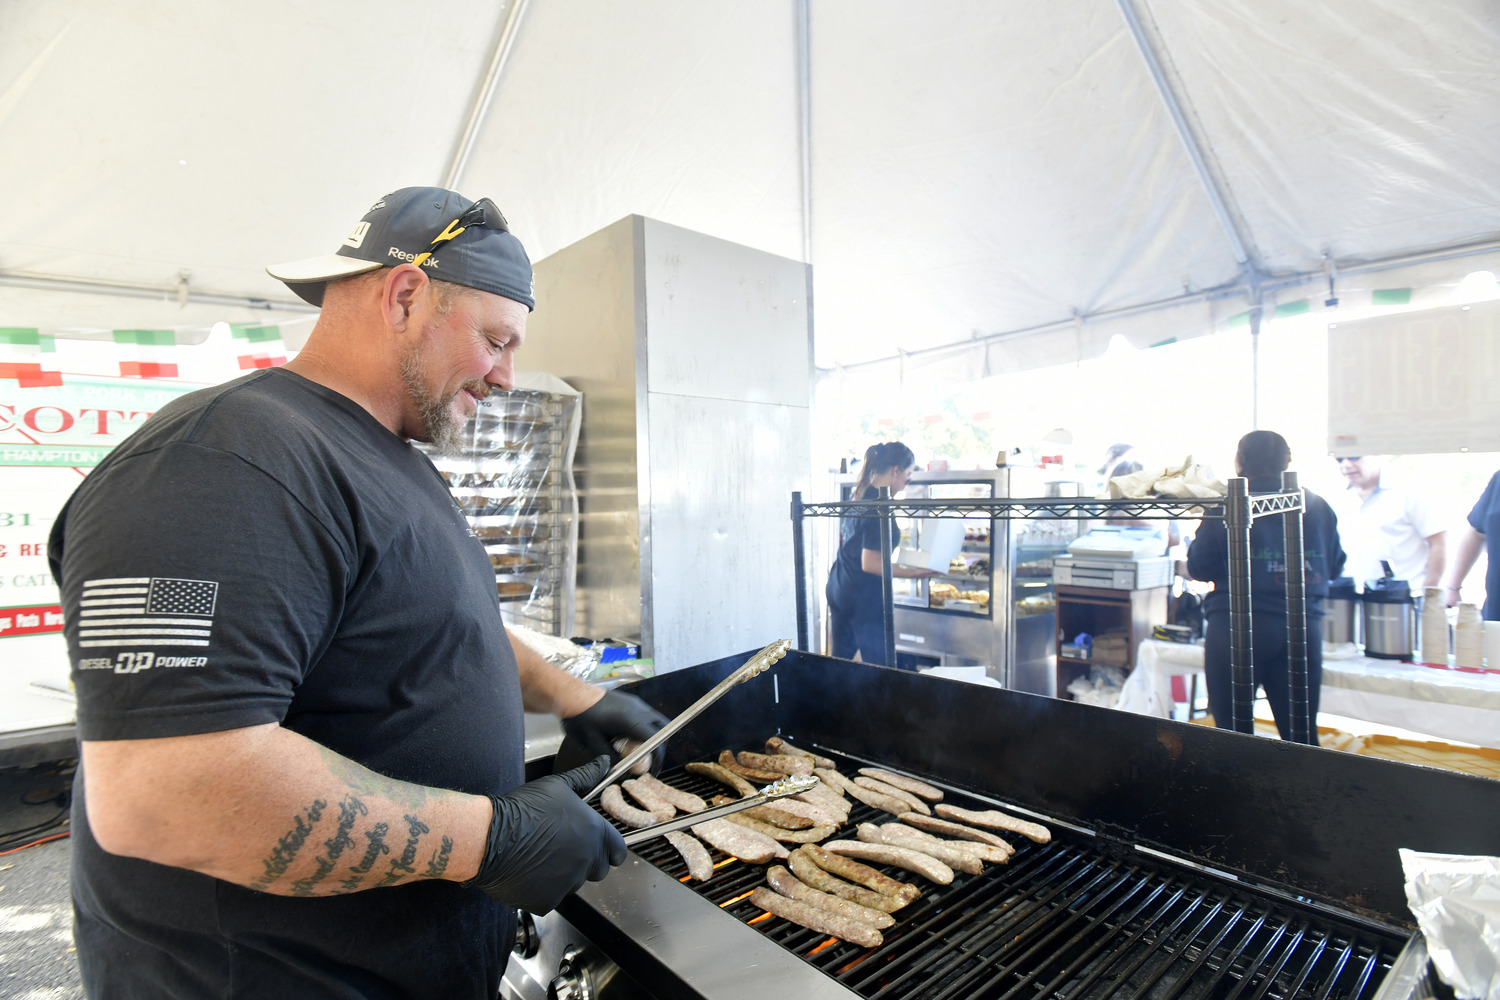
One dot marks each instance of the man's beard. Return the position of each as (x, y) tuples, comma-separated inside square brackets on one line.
[(436, 412)]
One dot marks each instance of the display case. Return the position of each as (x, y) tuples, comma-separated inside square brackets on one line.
[(513, 480)]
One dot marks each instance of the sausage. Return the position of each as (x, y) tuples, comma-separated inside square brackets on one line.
[(878, 800), (960, 861), (656, 806), (613, 802), (781, 763), (891, 791), (924, 865), (901, 781), (935, 825), (866, 876), (999, 820), (700, 865), (791, 887), (722, 776), (739, 842), (811, 835), (728, 763), (817, 920), (777, 745), (834, 780), (685, 801), (808, 871), (823, 797), (815, 815), (772, 814), (984, 852)]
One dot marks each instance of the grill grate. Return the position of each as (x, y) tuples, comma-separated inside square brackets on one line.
[(1069, 922)]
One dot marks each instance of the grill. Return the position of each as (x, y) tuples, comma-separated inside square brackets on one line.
[(1064, 920), (1185, 862)]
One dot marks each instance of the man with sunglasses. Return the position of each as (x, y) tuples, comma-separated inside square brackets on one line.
[(300, 715)]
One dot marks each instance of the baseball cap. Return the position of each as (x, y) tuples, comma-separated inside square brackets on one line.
[(447, 235)]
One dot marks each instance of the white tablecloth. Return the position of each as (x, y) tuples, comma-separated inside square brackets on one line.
[(1452, 704)]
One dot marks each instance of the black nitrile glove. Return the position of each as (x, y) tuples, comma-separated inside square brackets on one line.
[(545, 842), (616, 715)]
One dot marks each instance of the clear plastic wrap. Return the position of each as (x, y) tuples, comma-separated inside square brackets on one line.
[(514, 482)]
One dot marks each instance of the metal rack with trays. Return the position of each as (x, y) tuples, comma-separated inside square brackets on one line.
[(1238, 510), (514, 483)]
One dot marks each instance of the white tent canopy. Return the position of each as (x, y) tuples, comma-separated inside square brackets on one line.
[(953, 170)]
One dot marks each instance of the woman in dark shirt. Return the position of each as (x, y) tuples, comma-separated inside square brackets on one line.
[(1261, 458), (854, 607)]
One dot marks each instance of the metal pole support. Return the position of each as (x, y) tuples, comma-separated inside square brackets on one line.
[(799, 561), (887, 596), (1241, 650), (1301, 725)]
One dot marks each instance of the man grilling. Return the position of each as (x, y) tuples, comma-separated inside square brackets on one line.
[(300, 713)]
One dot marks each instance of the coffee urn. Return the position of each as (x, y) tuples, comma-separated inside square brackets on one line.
[(1389, 619), (1340, 616)]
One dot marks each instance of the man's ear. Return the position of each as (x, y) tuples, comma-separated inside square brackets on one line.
[(403, 286)]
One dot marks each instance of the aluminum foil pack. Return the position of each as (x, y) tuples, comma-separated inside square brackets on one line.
[(1456, 900)]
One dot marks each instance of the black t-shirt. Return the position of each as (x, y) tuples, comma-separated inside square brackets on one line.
[(849, 586), (1323, 556), (266, 552)]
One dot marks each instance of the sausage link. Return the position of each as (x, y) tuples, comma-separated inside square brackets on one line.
[(808, 871), (984, 852), (700, 865), (903, 782), (780, 763), (863, 874), (649, 800), (811, 835), (739, 842), (728, 763), (791, 887), (613, 802), (721, 775), (999, 820), (924, 865), (685, 801), (879, 800), (881, 788), (777, 745), (772, 814), (959, 861), (934, 825), (817, 920)]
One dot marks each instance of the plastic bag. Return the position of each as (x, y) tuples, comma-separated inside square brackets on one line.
[(1456, 900)]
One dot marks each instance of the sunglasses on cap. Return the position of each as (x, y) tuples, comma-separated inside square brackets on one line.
[(483, 214), (1349, 458)]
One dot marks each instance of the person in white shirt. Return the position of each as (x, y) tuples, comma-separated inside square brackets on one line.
[(1378, 522)]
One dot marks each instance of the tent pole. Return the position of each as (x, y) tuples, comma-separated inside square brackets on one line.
[(1174, 108), (499, 56)]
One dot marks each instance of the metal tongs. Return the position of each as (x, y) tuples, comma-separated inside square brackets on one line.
[(792, 784), (754, 666)]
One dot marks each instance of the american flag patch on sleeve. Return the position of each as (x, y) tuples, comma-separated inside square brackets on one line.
[(146, 611)]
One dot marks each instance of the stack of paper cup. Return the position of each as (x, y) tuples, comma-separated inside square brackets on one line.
[(1492, 645), (1434, 627), (1468, 637)]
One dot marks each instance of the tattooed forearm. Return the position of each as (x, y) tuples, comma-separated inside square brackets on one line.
[(349, 810), (362, 780), (406, 864), (285, 851), (438, 864), (376, 848)]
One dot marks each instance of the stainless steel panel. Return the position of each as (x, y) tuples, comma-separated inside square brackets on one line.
[(723, 320), (694, 358), (722, 474), (709, 950)]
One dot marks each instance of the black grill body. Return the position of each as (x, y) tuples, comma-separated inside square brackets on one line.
[(1185, 861)]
